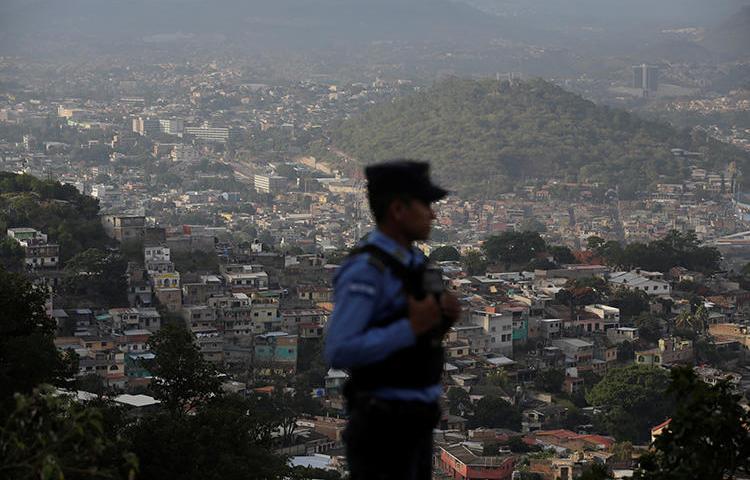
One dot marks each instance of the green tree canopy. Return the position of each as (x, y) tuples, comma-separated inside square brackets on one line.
[(459, 402), (474, 262), (182, 378), (48, 436), (630, 302), (494, 412), (675, 249), (649, 327), (707, 436), (513, 248), (96, 274), (634, 399), (28, 356), (225, 439), (562, 254), (550, 380), (445, 253)]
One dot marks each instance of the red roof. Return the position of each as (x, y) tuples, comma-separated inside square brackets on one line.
[(661, 425)]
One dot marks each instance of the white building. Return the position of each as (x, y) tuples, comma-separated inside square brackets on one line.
[(499, 327), (269, 183), (209, 134), (649, 282)]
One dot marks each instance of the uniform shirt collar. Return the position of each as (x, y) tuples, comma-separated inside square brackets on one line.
[(405, 255)]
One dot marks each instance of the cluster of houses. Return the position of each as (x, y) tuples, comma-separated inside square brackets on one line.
[(258, 310)]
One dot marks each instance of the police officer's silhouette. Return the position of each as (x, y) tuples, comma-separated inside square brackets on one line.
[(387, 326)]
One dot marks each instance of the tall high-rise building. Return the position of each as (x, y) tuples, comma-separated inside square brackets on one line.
[(646, 77)]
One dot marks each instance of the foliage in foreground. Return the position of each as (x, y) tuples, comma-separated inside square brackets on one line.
[(50, 437), (633, 399), (708, 437), (28, 356)]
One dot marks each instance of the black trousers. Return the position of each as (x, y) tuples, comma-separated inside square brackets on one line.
[(390, 439)]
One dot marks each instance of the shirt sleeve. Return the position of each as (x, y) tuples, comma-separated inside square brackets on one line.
[(349, 343)]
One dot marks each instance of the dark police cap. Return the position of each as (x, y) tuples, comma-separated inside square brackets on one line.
[(403, 176)]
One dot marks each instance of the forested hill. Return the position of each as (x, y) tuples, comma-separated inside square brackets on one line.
[(67, 217), (484, 136)]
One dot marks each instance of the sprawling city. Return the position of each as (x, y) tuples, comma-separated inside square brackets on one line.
[(183, 186)]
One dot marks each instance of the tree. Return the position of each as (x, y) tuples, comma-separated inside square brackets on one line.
[(474, 262), (707, 436), (494, 412), (182, 380), (622, 452), (517, 445), (513, 247), (649, 327), (612, 253), (595, 471), (696, 322), (94, 273), (11, 255), (48, 436), (549, 380), (625, 352), (445, 253), (633, 398), (532, 225), (224, 439), (562, 254), (630, 302), (459, 402), (594, 242), (497, 377), (28, 356)]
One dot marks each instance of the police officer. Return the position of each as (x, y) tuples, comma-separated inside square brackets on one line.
[(387, 326)]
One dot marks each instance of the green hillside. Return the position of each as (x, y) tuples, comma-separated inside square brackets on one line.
[(484, 136)]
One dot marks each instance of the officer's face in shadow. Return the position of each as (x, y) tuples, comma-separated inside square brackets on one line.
[(413, 218)]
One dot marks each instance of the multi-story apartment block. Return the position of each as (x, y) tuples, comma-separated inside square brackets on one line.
[(578, 353), (499, 327), (38, 253), (234, 315), (199, 316), (125, 228)]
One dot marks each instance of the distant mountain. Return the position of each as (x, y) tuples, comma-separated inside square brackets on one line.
[(270, 24), (484, 136), (732, 37)]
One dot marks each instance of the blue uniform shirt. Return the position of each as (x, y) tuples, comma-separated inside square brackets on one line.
[(363, 295)]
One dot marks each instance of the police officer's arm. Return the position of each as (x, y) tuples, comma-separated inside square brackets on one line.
[(348, 341)]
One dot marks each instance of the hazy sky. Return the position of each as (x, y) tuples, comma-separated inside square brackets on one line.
[(320, 24)]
